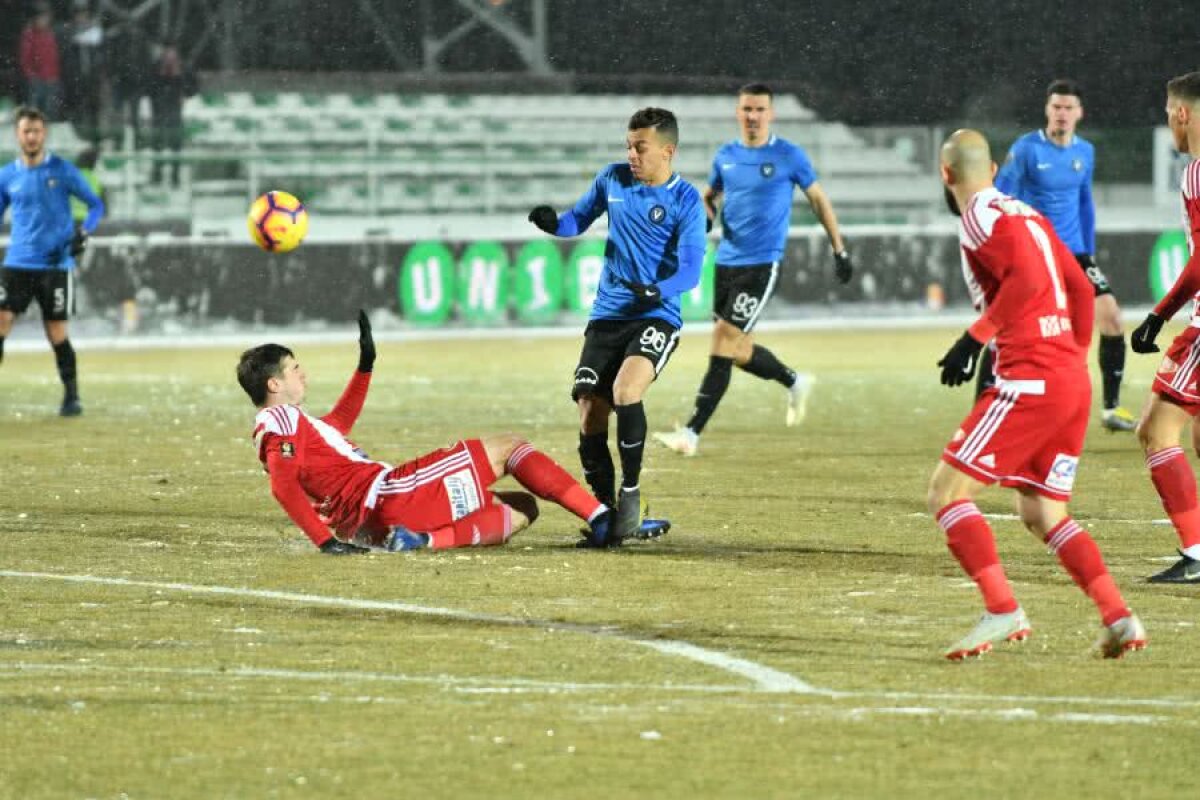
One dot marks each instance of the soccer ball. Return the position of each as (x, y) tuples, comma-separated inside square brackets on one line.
[(277, 222)]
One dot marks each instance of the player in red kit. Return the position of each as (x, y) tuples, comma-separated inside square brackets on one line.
[(440, 500), (1175, 397), (1026, 431)]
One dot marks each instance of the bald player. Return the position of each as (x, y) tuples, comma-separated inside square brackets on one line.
[(1025, 432)]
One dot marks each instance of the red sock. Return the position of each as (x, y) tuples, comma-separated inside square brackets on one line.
[(538, 473), (488, 526), (1081, 558), (1176, 485), (970, 540)]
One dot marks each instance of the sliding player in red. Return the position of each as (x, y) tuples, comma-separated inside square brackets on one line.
[(439, 500), (1025, 432), (1175, 398)]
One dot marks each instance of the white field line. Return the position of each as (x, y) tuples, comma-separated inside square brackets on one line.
[(347, 679), (764, 678)]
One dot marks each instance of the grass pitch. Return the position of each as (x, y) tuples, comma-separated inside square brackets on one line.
[(815, 591)]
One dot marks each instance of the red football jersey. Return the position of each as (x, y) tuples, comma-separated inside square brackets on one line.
[(1187, 285), (1037, 303), (317, 475)]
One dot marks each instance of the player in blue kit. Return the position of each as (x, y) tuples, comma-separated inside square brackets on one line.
[(1051, 170), (755, 176), (655, 248), (44, 242)]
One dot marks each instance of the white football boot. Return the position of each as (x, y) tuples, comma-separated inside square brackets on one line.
[(684, 441), (798, 394), (1011, 627)]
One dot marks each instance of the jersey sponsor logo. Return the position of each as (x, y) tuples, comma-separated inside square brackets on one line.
[(1062, 472), (287, 450), (657, 214), (1077, 164), (586, 376), (1053, 325), (653, 339), (461, 492), (767, 169)]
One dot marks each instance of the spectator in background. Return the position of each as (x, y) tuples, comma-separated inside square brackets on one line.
[(82, 46), (172, 83), (130, 68), (40, 63)]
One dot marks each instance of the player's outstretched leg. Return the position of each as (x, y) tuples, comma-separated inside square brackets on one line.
[(972, 543)]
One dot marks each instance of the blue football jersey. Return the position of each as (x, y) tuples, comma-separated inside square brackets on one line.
[(1057, 181), (757, 182), (646, 227), (42, 225)]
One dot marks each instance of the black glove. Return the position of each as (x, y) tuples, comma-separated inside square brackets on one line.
[(78, 242), (366, 343), (843, 267), (1143, 336), (336, 547), (958, 365), (545, 218), (1086, 260), (646, 294)]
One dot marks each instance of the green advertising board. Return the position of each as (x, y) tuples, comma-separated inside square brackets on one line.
[(483, 283), (427, 283), (1167, 258), (537, 282), (584, 268)]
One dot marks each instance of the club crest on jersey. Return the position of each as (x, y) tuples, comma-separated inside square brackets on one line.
[(51, 182), (287, 450), (657, 214), (767, 169), (1077, 164)]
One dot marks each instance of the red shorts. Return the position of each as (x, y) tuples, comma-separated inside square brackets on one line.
[(435, 489), (1023, 439), (1179, 372)]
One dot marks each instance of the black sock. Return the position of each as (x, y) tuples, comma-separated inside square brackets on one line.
[(712, 389), (1112, 368), (631, 440), (765, 365), (64, 357), (985, 378), (598, 467)]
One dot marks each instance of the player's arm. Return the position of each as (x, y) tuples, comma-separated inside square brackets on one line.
[(1087, 215), (1081, 295), (346, 410), (1009, 178), (580, 217), (713, 192), (78, 187), (1188, 282), (823, 209), (689, 254), (284, 468)]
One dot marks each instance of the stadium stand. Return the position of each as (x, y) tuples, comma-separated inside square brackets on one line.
[(380, 154)]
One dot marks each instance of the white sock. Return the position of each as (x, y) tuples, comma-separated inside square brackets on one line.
[(1192, 552)]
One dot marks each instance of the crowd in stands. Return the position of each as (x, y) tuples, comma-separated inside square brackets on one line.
[(95, 76)]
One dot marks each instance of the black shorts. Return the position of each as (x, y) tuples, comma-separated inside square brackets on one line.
[(608, 342), (1098, 279), (741, 292), (54, 290)]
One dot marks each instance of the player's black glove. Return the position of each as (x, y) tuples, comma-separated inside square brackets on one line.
[(545, 218), (1143, 336), (646, 293), (843, 267), (366, 343), (336, 547), (78, 242), (1086, 260), (958, 365)]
